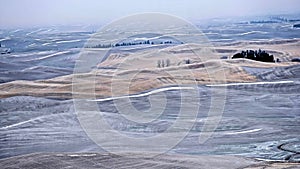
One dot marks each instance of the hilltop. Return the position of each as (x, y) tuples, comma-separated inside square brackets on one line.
[(134, 71)]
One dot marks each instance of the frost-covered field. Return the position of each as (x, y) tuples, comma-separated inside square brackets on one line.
[(260, 120)]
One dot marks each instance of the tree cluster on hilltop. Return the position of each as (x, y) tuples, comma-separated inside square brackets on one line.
[(259, 55)]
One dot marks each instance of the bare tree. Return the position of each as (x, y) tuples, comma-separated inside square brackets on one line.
[(162, 63), (167, 62), (158, 63)]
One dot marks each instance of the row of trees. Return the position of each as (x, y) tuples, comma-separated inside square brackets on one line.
[(163, 63), (147, 42), (166, 63)]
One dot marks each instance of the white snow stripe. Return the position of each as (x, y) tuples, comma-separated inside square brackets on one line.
[(20, 123), (251, 83), (145, 94), (243, 132)]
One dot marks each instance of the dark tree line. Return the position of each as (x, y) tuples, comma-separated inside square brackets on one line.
[(147, 42)]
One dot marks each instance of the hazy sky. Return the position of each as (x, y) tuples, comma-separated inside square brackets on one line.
[(47, 12)]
